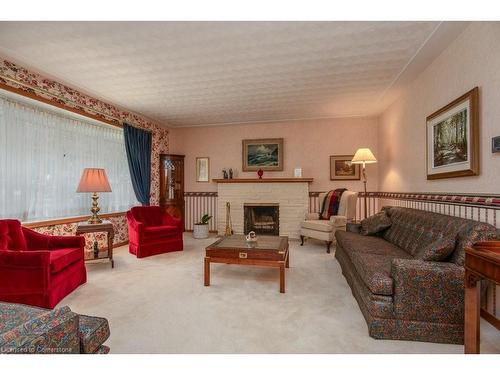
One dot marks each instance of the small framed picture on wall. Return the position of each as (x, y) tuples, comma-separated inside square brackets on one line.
[(341, 168), (202, 169)]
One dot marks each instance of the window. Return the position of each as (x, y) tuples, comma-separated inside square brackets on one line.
[(43, 152)]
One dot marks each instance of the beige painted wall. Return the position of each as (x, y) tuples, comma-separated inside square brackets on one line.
[(307, 144), (473, 59)]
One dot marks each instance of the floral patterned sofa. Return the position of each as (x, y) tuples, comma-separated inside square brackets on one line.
[(27, 329), (401, 295)]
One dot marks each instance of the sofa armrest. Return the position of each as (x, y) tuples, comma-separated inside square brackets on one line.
[(428, 291), (35, 240), (172, 220), (52, 332), (24, 271), (312, 216), (135, 228), (338, 221), (60, 242)]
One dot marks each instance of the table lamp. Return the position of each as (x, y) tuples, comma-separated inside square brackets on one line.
[(94, 180), (364, 156)]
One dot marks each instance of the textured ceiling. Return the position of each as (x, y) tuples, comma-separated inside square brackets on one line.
[(192, 73)]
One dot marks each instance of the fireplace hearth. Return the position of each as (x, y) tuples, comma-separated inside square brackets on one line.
[(262, 218)]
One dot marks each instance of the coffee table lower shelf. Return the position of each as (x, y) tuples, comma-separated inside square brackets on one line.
[(250, 262)]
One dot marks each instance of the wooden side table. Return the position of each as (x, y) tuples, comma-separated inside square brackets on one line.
[(482, 262), (105, 226)]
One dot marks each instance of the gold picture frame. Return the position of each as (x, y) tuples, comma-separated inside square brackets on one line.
[(203, 169), (452, 138), (265, 154), (342, 169)]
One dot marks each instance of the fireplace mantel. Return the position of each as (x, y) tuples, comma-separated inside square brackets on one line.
[(259, 180)]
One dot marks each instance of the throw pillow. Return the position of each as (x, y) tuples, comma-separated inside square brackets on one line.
[(374, 224), (436, 251)]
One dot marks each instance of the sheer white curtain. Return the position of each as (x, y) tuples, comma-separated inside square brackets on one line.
[(42, 156)]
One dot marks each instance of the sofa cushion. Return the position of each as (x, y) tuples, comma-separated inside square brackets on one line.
[(411, 229), (319, 225), (62, 258), (41, 332), (436, 251), (94, 331), (375, 271), (11, 235), (160, 231), (354, 243), (375, 223), (13, 314)]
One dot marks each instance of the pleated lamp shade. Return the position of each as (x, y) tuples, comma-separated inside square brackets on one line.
[(94, 180), (363, 155)]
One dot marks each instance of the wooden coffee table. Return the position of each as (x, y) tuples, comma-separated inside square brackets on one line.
[(268, 251)]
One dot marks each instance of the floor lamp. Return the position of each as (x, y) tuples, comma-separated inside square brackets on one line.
[(364, 156)]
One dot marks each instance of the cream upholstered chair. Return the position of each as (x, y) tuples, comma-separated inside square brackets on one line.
[(324, 230)]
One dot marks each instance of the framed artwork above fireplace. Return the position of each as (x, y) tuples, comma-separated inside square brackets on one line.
[(265, 154)]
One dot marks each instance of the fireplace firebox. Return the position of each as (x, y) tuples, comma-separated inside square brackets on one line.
[(262, 218)]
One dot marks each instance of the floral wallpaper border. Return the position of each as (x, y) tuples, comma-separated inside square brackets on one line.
[(18, 77)]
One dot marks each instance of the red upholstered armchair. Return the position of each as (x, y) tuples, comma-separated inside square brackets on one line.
[(152, 231), (36, 269)]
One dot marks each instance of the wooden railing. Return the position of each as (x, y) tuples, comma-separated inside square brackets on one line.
[(480, 207), (196, 204)]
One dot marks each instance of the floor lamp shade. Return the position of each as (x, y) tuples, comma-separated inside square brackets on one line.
[(94, 180), (364, 156)]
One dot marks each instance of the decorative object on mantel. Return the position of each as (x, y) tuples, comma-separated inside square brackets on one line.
[(202, 169), (297, 172), (364, 156), (342, 168), (229, 229), (94, 180), (265, 154), (231, 173), (200, 229), (260, 173), (261, 180), (453, 138), (225, 174)]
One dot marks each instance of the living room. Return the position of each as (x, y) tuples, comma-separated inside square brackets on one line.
[(243, 187)]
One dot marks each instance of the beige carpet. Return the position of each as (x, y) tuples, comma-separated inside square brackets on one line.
[(159, 305)]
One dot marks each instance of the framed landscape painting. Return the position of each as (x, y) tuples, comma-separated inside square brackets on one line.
[(453, 139), (341, 168), (265, 154)]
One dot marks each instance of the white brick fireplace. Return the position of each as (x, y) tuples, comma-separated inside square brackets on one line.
[(291, 195)]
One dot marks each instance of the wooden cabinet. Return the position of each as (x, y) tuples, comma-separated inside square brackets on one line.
[(172, 184)]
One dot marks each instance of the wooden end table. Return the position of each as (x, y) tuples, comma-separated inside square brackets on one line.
[(267, 251), (482, 261), (105, 226)]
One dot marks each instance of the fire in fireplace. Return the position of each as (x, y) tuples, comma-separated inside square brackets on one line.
[(262, 218)]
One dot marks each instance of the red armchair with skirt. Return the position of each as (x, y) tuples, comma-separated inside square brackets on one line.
[(37, 269), (152, 231)]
